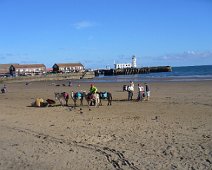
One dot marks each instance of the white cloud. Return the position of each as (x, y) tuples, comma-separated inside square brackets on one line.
[(186, 55), (84, 24), (190, 52), (184, 58), (178, 59)]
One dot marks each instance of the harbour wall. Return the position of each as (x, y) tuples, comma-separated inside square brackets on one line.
[(64, 76), (129, 71)]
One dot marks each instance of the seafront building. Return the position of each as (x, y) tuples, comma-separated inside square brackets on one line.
[(68, 67), (27, 69), (14, 70)]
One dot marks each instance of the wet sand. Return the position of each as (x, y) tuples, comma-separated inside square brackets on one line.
[(173, 130)]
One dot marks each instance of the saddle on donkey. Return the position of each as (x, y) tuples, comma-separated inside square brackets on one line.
[(103, 95)]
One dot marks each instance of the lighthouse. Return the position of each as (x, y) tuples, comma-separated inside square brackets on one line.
[(134, 62)]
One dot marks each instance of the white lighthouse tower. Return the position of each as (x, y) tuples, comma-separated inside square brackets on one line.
[(134, 62)]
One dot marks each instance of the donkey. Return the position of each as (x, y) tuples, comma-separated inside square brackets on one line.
[(63, 98), (92, 98), (77, 96), (107, 96), (125, 87)]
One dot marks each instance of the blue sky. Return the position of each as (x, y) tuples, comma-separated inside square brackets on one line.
[(99, 32)]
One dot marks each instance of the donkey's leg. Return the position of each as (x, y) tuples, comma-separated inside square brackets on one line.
[(81, 101), (88, 104), (75, 102), (100, 102), (110, 98), (61, 102), (97, 102)]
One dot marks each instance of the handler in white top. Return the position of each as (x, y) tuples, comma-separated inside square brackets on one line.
[(140, 92), (130, 90)]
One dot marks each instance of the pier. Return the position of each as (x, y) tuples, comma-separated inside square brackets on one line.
[(130, 71)]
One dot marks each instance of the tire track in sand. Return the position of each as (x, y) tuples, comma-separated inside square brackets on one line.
[(114, 157)]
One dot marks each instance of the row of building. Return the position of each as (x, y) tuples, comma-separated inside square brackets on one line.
[(38, 69)]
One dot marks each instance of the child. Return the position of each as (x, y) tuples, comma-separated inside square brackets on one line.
[(4, 89)]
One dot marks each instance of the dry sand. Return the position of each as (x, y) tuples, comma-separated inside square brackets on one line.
[(171, 131)]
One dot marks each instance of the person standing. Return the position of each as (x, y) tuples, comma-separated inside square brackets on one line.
[(140, 92), (130, 90), (147, 91), (70, 84), (132, 84)]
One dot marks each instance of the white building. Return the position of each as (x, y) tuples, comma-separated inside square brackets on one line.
[(127, 65), (68, 67), (27, 69)]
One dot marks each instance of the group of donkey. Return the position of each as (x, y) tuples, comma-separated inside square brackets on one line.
[(91, 99)]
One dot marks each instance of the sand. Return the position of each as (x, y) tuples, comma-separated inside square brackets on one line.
[(173, 130)]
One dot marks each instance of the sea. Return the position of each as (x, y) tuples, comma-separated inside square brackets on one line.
[(184, 73)]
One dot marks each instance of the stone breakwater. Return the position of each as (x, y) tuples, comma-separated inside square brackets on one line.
[(128, 71), (66, 76)]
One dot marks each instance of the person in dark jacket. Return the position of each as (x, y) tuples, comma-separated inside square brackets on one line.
[(147, 91)]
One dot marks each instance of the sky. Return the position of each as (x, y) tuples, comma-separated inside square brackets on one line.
[(99, 33)]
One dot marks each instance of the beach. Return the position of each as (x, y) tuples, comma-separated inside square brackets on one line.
[(173, 130)]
